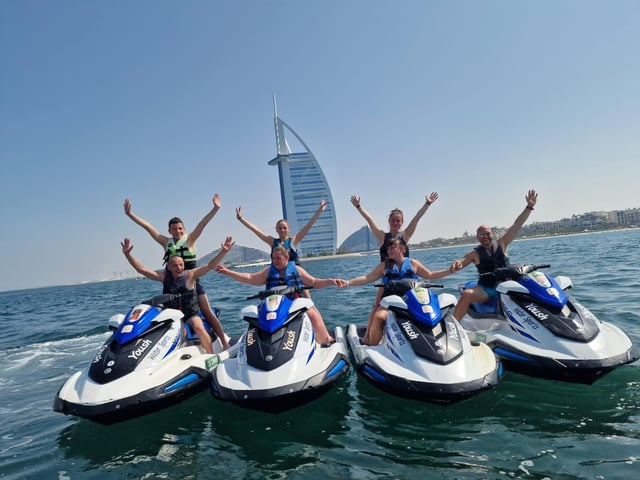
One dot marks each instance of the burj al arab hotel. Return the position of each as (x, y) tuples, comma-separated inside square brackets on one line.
[(302, 188)]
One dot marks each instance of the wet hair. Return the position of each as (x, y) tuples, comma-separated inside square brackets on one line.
[(175, 220), (281, 221), (396, 211)]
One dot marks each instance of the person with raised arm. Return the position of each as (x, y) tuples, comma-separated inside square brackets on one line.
[(396, 220), (177, 279), (184, 245), (490, 254), (395, 267), (284, 271)]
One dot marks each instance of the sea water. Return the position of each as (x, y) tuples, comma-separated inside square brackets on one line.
[(524, 428)]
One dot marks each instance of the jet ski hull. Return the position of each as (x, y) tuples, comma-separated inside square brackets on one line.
[(295, 383)]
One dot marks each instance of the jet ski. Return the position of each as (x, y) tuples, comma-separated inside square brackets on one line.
[(537, 328), (151, 360), (279, 365), (424, 353)]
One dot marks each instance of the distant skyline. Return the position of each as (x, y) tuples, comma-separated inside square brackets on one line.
[(167, 103)]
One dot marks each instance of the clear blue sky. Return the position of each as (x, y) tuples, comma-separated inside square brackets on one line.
[(168, 102)]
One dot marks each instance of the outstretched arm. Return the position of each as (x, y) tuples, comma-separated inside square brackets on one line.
[(256, 278), (372, 276), (224, 249), (268, 239), (424, 272), (377, 232), (310, 281), (297, 238), (127, 246), (157, 236), (193, 236), (510, 235), (413, 224)]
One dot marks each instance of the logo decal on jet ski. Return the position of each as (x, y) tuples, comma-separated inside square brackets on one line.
[(452, 331), (397, 334), (290, 342), (98, 356), (250, 338), (536, 312), (135, 315), (138, 352), (408, 329), (540, 278)]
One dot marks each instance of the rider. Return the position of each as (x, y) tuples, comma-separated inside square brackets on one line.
[(395, 267), (487, 256), (396, 220), (285, 238), (282, 271), (184, 245), (177, 279)]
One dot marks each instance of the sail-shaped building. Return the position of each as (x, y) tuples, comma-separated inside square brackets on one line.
[(302, 188)]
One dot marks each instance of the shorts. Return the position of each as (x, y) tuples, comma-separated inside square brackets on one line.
[(490, 291)]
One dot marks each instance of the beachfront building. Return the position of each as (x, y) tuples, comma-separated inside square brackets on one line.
[(302, 188)]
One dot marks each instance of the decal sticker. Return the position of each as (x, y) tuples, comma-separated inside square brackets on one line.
[(540, 278), (427, 309), (271, 315), (138, 352), (290, 342), (553, 292), (98, 356), (533, 309), (409, 331), (212, 362), (127, 328), (422, 295)]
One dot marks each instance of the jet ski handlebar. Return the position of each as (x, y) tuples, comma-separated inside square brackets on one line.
[(406, 284), (514, 272), (162, 299), (279, 290)]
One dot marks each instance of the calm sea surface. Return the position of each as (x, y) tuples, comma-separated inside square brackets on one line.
[(525, 428)]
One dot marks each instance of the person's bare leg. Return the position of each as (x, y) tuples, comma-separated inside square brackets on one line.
[(212, 319), (319, 327)]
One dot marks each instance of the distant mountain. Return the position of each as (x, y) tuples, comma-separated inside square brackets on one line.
[(359, 241), (238, 255)]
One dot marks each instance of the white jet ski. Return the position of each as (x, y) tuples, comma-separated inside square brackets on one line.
[(538, 329), (279, 365), (424, 353), (151, 361)]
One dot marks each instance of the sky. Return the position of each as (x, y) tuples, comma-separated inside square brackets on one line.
[(167, 103)]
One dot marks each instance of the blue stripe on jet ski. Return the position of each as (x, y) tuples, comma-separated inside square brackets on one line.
[(511, 355), (372, 373), (525, 334), (337, 369), (192, 377)]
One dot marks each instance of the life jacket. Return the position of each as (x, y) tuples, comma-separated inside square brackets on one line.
[(291, 277), (181, 249), (188, 301), (293, 255), (489, 261), (389, 236), (392, 272)]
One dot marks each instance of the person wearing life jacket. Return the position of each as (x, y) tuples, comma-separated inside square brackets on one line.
[(396, 220), (182, 244), (176, 278), (395, 267), (284, 238), (282, 271), (487, 256)]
